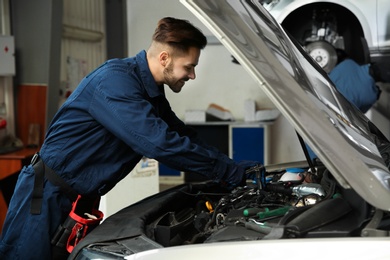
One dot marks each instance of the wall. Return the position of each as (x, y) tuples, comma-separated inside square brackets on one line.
[(37, 27), (83, 45), (43, 43)]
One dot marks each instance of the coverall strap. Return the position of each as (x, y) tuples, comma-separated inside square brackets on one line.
[(36, 200), (42, 170)]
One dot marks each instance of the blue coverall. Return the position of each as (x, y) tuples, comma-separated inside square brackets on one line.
[(355, 83), (115, 116)]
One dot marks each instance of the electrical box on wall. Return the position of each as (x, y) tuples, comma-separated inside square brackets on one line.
[(7, 55)]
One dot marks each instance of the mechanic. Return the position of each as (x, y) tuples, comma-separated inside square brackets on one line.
[(117, 115), (356, 82)]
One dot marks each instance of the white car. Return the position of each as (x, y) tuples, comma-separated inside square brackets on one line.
[(334, 207), (361, 28)]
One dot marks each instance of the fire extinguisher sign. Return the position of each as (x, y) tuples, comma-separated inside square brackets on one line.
[(7, 55)]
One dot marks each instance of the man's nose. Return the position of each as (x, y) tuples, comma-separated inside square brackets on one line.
[(192, 75)]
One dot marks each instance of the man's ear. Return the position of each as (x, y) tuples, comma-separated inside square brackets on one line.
[(164, 58)]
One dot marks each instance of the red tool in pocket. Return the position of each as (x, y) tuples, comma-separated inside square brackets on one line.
[(82, 219)]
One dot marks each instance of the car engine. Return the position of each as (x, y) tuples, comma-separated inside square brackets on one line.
[(286, 203)]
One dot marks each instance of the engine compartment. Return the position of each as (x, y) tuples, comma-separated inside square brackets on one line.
[(287, 203)]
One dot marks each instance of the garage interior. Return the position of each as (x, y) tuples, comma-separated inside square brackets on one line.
[(52, 45)]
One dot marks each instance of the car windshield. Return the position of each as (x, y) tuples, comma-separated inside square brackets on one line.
[(340, 135)]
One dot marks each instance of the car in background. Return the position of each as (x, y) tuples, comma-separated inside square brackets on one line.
[(333, 207), (358, 27)]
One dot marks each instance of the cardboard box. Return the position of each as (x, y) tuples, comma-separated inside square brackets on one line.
[(249, 110), (218, 113), (267, 114)]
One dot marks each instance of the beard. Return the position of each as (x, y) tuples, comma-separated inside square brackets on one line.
[(174, 83)]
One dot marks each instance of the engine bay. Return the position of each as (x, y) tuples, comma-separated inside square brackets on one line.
[(287, 203)]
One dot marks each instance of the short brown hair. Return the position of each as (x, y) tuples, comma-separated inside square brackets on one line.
[(179, 34)]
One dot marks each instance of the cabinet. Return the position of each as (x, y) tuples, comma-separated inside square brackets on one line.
[(247, 143), (238, 140)]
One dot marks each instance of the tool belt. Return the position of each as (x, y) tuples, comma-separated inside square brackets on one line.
[(83, 217)]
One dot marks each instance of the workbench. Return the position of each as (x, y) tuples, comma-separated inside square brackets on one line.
[(10, 164)]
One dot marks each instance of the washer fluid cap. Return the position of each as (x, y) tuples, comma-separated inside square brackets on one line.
[(295, 170)]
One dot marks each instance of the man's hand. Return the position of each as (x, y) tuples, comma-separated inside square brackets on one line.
[(257, 173), (241, 171)]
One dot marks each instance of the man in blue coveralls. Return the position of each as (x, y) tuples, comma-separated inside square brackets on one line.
[(116, 115), (355, 82)]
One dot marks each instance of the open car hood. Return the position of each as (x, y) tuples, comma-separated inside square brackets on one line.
[(340, 135)]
